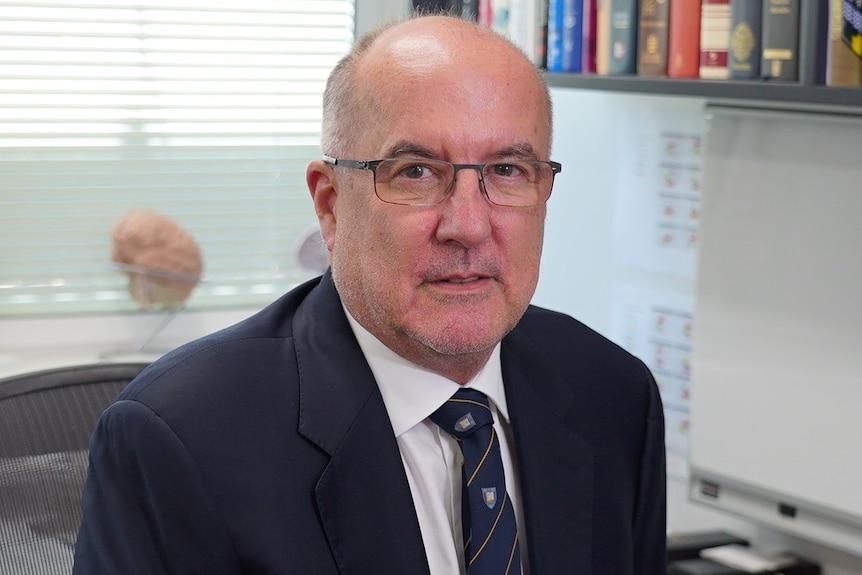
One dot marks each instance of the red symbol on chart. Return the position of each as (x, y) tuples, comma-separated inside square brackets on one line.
[(686, 330), (670, 178), (692, 240), (671, 148)]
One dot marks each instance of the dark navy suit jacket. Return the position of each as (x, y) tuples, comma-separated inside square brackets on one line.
[(266, 448)]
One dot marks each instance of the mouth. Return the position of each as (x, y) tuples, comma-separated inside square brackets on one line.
[(461, 278), (461, 283)]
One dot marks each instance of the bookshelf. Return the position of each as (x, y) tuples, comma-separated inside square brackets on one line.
[(772, 95)]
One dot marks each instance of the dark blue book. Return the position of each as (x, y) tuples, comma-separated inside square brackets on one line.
[(573, 35), (743, 56), (565, 35), (780, 36), (813, 41), (623, 37), (555, 35)]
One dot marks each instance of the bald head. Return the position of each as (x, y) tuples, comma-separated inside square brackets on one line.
[(383, 63)]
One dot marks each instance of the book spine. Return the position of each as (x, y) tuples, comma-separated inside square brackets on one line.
[(813, 41), (588, 37), (623, 37), (573, 23), (652, 37), (743, 56), (603, 36), (714, 39), (500, 17), (851, 13), (555, 35), (843, 67), (683, 43), (486, 13), (540, 40), (470, 10), (433, 5), (521, 26), (780, 57)]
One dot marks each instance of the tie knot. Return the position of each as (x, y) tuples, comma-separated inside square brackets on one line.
[(464, 413)]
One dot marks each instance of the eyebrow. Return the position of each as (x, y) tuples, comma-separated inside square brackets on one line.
[(522, 150), (406, 147)]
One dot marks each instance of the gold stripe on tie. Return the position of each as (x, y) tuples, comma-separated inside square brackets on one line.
[(484, 457), (493, 528)]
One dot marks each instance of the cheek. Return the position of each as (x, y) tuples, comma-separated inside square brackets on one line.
[(522, 237), (379, 241), (521, 256)]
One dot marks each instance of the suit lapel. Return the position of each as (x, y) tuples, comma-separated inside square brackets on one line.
[(550, 454), (363, 493)]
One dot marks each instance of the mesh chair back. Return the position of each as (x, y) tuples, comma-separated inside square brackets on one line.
[(46, 419)]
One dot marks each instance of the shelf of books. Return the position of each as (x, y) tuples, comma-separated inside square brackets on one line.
[(763, 52)]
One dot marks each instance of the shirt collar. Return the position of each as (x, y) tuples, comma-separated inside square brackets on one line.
[(411, 393)]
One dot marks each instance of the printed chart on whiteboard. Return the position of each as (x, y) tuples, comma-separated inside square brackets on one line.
[(656, 226), (659, 189)]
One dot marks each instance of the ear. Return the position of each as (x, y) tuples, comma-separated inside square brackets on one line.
[(320, 178)]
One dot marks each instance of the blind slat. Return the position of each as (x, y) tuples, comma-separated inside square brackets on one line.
[(203, 110)]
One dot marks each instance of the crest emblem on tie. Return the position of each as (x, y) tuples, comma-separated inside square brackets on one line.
[(465, 422), (489, 496)]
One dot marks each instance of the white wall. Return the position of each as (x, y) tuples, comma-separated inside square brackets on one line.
[(28, 344)]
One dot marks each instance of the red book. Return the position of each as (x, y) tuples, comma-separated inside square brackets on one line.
[(714, 39), (588, 49), (486, 13), (683, 49)]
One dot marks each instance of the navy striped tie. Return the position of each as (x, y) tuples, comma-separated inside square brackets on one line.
[(490, 532)]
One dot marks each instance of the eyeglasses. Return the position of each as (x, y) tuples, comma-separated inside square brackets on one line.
[(423, 182)]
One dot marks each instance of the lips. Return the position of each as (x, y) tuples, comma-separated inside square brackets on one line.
[(461, 272)]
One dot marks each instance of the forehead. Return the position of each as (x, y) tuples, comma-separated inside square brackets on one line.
[(452, 87)]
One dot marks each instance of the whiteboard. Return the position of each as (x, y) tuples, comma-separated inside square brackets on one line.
[(776, 391)]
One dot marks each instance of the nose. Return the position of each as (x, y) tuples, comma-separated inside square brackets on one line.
[(465, 214)]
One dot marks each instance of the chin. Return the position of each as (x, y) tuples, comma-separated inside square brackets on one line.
[(465, 334), (459, 347)]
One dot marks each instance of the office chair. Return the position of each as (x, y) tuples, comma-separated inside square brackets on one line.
[(46, 419)]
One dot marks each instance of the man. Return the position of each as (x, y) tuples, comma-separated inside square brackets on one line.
[(301, 440)]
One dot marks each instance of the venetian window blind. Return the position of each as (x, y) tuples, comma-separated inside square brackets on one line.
[(204, 110)]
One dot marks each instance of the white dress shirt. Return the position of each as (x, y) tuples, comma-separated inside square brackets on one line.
[(431, 457)]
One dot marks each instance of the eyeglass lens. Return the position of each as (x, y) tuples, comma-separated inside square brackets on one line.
[(518, 183)]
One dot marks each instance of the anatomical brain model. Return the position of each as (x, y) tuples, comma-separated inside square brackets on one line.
[(161, 259)]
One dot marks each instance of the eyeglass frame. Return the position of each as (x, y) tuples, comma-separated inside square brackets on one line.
[(372, 165)]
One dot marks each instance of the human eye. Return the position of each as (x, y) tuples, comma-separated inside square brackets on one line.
[(512, 171), (416, 174), (415, 170), (412, 180)]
